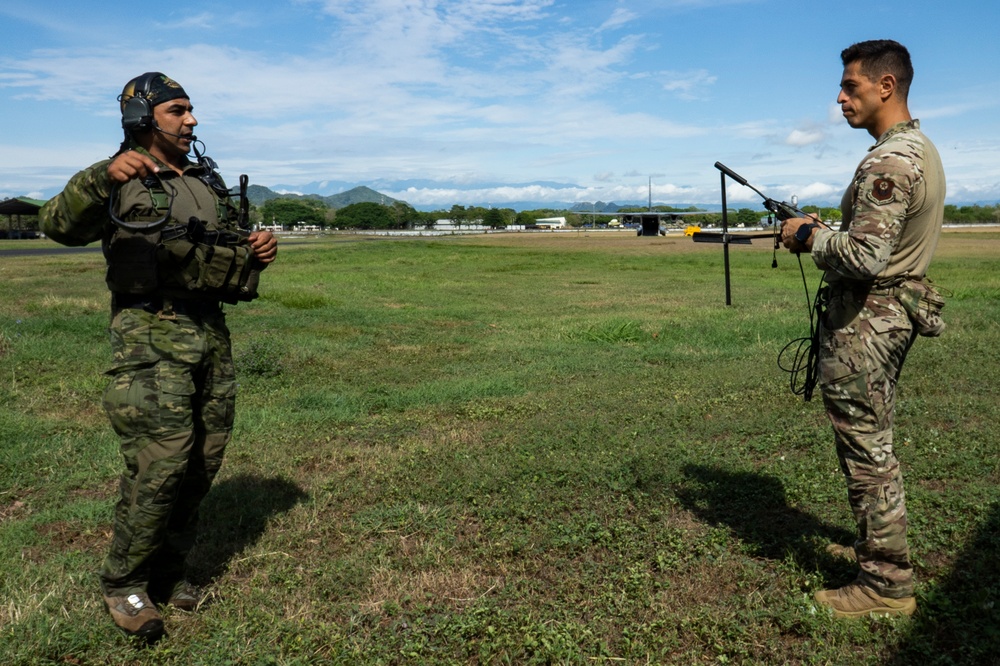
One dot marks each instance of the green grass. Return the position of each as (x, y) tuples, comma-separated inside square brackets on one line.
[(509, 449)]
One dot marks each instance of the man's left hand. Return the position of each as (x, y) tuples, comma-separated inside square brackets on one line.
[(790, 226), (265, 246)]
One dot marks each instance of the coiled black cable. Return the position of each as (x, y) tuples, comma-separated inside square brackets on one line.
[(804, 364)]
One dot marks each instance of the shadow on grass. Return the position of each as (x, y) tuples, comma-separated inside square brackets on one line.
[(754, 507), (958, 618), (234, 515)]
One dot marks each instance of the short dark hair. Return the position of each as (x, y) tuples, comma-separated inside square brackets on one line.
[(879, 57)]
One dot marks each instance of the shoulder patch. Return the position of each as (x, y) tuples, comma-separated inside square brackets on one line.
[(882, 190)]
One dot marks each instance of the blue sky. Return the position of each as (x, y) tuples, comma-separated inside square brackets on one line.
[(440, 102)]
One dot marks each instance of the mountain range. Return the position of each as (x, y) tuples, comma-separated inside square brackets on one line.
[(337, 194), (258, 194)]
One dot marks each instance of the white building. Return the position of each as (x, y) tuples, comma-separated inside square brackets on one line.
[(551, 222)]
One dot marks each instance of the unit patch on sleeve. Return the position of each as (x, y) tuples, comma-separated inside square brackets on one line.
[(883, 190)]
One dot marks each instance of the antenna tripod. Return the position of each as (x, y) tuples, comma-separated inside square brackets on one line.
[(727, 238)]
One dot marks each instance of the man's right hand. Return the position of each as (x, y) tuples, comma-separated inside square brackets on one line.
[(130, 165)]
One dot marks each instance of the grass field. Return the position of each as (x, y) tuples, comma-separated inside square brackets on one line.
[(506, 449)]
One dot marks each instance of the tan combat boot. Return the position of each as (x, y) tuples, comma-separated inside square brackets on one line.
[(136, 615), (857, 600), (185, 597), (841, 552)]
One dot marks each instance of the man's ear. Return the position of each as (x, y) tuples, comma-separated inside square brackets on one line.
[(887, 86)]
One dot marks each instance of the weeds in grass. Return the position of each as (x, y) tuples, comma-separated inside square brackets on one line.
[(5, 344), (260, 357), (611, 332), (298, 300)]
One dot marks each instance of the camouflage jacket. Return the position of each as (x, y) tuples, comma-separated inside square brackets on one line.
[(893, 211)]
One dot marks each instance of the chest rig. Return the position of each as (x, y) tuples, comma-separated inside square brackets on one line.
[(153, 252)]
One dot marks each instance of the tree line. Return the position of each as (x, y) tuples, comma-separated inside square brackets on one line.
[(971, 214), (292, 213)]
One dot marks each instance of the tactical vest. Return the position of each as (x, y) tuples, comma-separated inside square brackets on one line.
[(183, 260)]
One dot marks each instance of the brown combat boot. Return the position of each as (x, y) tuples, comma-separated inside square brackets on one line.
[(185, 597), (857, 600), (136, 615), (841, 552)]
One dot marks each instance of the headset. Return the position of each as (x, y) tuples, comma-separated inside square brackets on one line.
[(137, 112)]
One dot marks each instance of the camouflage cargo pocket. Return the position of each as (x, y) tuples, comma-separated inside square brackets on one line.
[(923, 303)]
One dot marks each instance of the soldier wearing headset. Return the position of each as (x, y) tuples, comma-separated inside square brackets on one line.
[(177, 247)]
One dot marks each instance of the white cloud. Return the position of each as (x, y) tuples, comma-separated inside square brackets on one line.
[(815, 192), (834, 115), (618, 18), (199, 21), (504, 195), (689, 85), (805, 137)]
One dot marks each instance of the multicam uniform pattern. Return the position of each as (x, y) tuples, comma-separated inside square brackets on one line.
[(892, 217), (171, 397)]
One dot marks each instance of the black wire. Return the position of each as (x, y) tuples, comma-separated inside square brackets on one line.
[(143, 227), (805, 358)]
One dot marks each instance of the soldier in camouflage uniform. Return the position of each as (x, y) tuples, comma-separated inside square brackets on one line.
[(877, 301), (174, 254)]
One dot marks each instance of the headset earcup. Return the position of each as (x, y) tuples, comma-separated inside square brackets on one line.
[(137, 114)]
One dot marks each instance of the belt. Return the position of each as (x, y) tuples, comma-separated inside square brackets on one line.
[(156, 304), (889, 287)]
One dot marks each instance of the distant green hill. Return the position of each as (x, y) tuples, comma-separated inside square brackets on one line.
[(258, 194)]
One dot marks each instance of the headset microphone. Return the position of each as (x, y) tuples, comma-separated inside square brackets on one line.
[(159, 129)]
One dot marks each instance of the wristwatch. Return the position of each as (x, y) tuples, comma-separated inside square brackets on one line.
[(803, 233)]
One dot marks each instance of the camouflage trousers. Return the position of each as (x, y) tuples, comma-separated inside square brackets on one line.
[(171, 400), (864, 342)]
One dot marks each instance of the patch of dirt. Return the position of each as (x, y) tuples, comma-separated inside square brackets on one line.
[(12, 509), (64, 536)]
